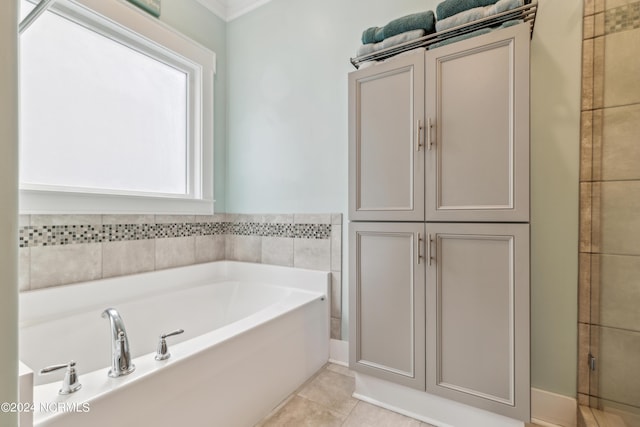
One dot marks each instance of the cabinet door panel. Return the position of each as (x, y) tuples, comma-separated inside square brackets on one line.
[(478, 100), (478, 315), (386, 108), (387, 301)]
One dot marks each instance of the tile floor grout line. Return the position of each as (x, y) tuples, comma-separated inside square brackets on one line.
[(350, 412)]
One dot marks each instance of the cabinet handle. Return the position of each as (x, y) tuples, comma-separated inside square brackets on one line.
[(418, 247), (429, 240), (429, 127), (418, 134)]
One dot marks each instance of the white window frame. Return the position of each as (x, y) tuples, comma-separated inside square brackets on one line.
[(136, 29)]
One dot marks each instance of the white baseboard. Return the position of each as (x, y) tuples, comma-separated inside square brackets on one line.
[(426, 407), (547, 409), (339, 352), (551, 409)]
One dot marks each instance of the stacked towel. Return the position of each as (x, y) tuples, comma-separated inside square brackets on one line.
[(418, 21), (372, 35), (474, 14), (452, 7), (451, 13), (368, 48), (401, 30), (475, 33)]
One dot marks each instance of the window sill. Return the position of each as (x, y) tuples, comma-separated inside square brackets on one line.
[(60, 202)]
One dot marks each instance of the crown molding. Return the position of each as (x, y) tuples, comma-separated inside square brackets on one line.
[(216, 6), (229, 10)]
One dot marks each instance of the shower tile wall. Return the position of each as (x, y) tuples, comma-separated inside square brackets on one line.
[(63, 249), (609, 295)]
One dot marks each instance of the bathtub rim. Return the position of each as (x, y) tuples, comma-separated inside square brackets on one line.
[(314, 285), (98, 385), (35, 307)]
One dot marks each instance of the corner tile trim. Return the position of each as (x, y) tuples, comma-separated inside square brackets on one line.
[(54, 235)]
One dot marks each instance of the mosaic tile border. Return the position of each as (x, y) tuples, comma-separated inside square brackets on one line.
[(54, 235), (622, 18)]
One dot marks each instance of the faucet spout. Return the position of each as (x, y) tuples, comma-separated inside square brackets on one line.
[(120, 352)]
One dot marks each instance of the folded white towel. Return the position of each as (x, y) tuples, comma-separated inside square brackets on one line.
[(366, 49), (477, 13)]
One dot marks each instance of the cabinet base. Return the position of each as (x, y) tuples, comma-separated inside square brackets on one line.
[(426, 407)]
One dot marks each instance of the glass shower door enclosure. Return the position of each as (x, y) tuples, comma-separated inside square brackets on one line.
[(614, 356), (609, 284)]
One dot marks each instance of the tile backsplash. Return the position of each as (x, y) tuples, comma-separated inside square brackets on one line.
[(64, 249)]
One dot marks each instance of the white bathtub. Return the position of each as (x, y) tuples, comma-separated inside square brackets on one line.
[(253, 334)]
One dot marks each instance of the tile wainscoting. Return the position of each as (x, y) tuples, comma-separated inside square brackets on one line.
[(59, 250)]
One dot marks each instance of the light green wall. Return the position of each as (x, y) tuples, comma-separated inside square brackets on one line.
[(556, 52), (8, 208), (288, 65), (287, 138), (197, 22)]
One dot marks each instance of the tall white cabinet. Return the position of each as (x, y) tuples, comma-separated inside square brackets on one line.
[(439, 211)]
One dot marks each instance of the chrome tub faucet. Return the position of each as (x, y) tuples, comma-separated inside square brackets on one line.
[(120, 353)]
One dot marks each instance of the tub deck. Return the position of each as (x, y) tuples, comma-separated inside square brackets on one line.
[(269, 335)]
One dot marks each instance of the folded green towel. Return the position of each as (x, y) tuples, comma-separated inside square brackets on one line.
[(477, 13), (451, 7), (368, 48), (372, 35), (418, 21)]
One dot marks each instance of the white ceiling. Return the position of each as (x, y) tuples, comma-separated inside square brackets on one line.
[(231, 9)]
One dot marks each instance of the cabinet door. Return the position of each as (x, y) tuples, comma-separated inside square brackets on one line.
[(386, 150), (386, 301), (478, 315), (477, 96)]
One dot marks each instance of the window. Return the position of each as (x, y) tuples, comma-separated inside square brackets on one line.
[(116, 113)]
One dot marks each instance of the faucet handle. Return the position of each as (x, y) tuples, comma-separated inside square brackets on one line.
[(70, 382), (163, 351), (170, 334)]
